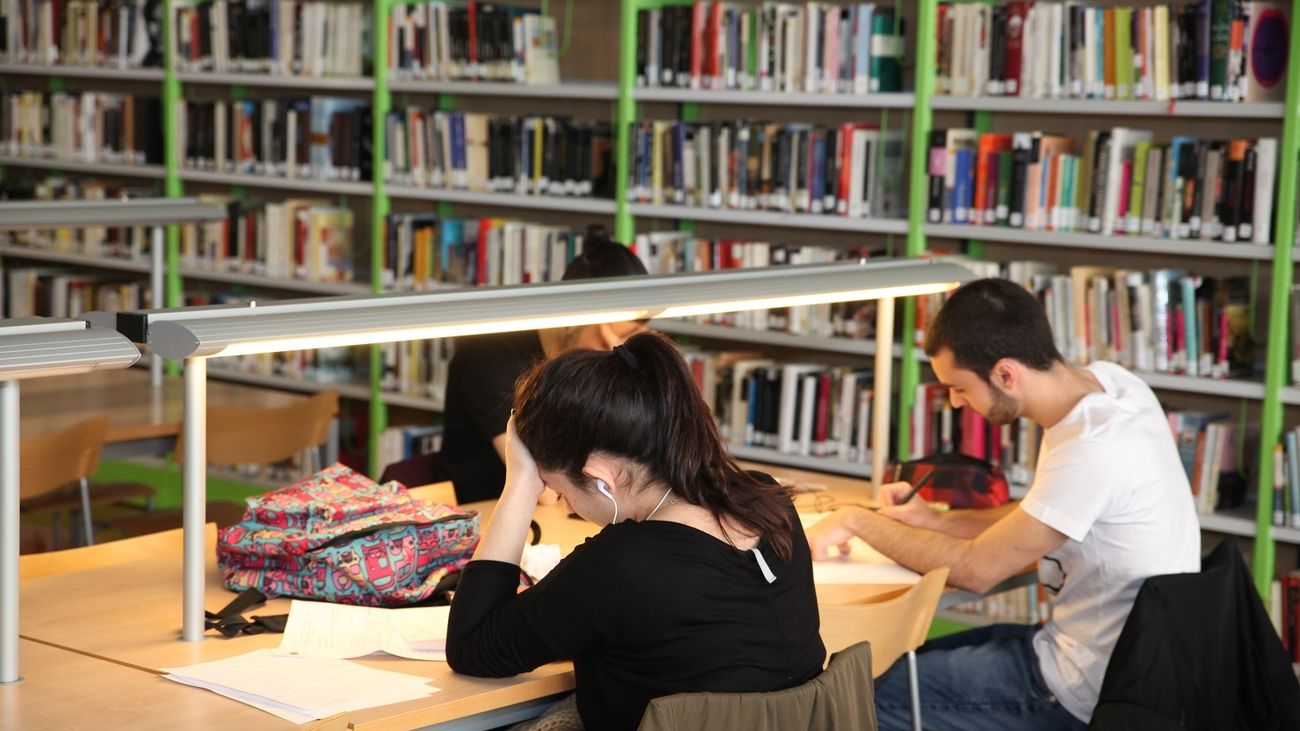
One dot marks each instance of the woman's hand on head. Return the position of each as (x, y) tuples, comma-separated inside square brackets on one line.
[(521, 471)]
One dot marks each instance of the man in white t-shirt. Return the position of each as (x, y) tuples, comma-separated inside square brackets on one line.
[(1110, 506)]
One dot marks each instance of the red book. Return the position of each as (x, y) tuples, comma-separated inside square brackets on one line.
[(823, 412), (699, 23), (1016, 12), (480, 277), (1180, 335), (714, 67), (1125, 185), (986, 176), (472, 22)]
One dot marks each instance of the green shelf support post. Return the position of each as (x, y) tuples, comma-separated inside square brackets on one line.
[(172, 188), (381, 102), (1275, 374), (917, 194), (625, 114)]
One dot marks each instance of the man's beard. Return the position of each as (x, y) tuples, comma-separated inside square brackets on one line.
[(1004, 409)]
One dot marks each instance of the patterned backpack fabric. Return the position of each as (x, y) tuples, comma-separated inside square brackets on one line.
[(338, 536)]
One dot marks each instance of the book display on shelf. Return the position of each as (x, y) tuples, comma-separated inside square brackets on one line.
[(529, 155), (423, 251), (814, 47), (1119, 182), (472, 42), (304, 239), (853, 170), (318, 138), (1210, 50), (95, 127), (94, 33), (29, 291), (1210, 449), (284, 37)]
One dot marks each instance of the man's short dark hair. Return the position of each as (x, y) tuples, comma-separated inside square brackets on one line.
[(990, 319), (601, 257)]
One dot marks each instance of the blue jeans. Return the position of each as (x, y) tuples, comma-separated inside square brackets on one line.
[(986, 678)]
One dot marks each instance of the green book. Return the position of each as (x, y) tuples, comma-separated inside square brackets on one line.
[(1137, 187), (1220, 47), (1123, 53), (1002, 204)]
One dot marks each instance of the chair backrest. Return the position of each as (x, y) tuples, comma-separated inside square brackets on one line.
[(894, 625), (260, 436), (841, 697), (51, 461)]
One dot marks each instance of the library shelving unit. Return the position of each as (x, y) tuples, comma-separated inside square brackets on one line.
[(918, 105)]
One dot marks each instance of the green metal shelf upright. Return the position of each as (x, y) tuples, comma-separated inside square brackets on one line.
[(1278, 350)]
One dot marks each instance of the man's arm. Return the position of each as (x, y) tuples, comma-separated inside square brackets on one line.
[(957, 523), (977, 564)]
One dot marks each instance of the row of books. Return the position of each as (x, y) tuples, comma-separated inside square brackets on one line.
[(298, 37), (82, 126), (852, 170), (1121, 182), (294, 239), (322, 138), (531, 155), (1024, 605), (1211, 447), (472, 41), (1162, 321), (397, 443), (1286, 480), (423, 251), (1219, 50), (101, 33), (938, 427), (53, 292), (815, 47), (669, 252), (1284, 608), (807, 409), (123, 242)]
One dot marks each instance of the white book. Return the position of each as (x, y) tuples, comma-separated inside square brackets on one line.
[(807, 413), (1265, 179), (790, 405), (1123, 144)]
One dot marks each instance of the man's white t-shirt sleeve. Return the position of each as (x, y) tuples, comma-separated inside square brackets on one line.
[(1073, 487)]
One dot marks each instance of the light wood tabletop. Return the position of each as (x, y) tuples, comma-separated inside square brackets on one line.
[(69, 691), (136, 409), (124, 606)]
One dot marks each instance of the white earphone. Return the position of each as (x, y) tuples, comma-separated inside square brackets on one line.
[(603, 490)]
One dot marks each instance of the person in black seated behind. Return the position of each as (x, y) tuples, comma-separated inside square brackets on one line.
[(701, 579), (483, 370)]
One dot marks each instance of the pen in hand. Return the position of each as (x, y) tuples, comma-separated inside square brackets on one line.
[(916, 487)]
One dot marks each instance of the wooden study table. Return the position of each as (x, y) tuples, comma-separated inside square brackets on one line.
[(144, 421), (127, 613)]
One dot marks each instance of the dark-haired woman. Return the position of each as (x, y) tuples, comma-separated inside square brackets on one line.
[(700, 580), (484, 368)]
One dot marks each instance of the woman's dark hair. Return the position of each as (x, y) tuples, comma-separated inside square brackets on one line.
[(601, 257), (639, 403), (990, 319)]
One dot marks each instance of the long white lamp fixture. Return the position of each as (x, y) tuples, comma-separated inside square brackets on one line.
[(195, 334), (150, 212), (36, 347)]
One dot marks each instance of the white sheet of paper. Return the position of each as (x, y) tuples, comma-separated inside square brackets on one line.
[(294, 687), (862, 565), (319, 629)]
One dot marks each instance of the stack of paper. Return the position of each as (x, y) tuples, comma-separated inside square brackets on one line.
[(861, 565), (301, 689), (318, 629)]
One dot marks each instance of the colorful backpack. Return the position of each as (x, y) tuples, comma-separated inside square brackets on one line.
[(338, 536)]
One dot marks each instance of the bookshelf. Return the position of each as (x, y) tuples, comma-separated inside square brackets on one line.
[(920, 104)]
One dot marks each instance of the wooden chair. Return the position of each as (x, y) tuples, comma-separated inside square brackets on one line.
[(895, 625), (263, 436), (50, 463)]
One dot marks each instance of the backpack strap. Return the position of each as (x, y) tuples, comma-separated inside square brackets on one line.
[(229, 620)]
